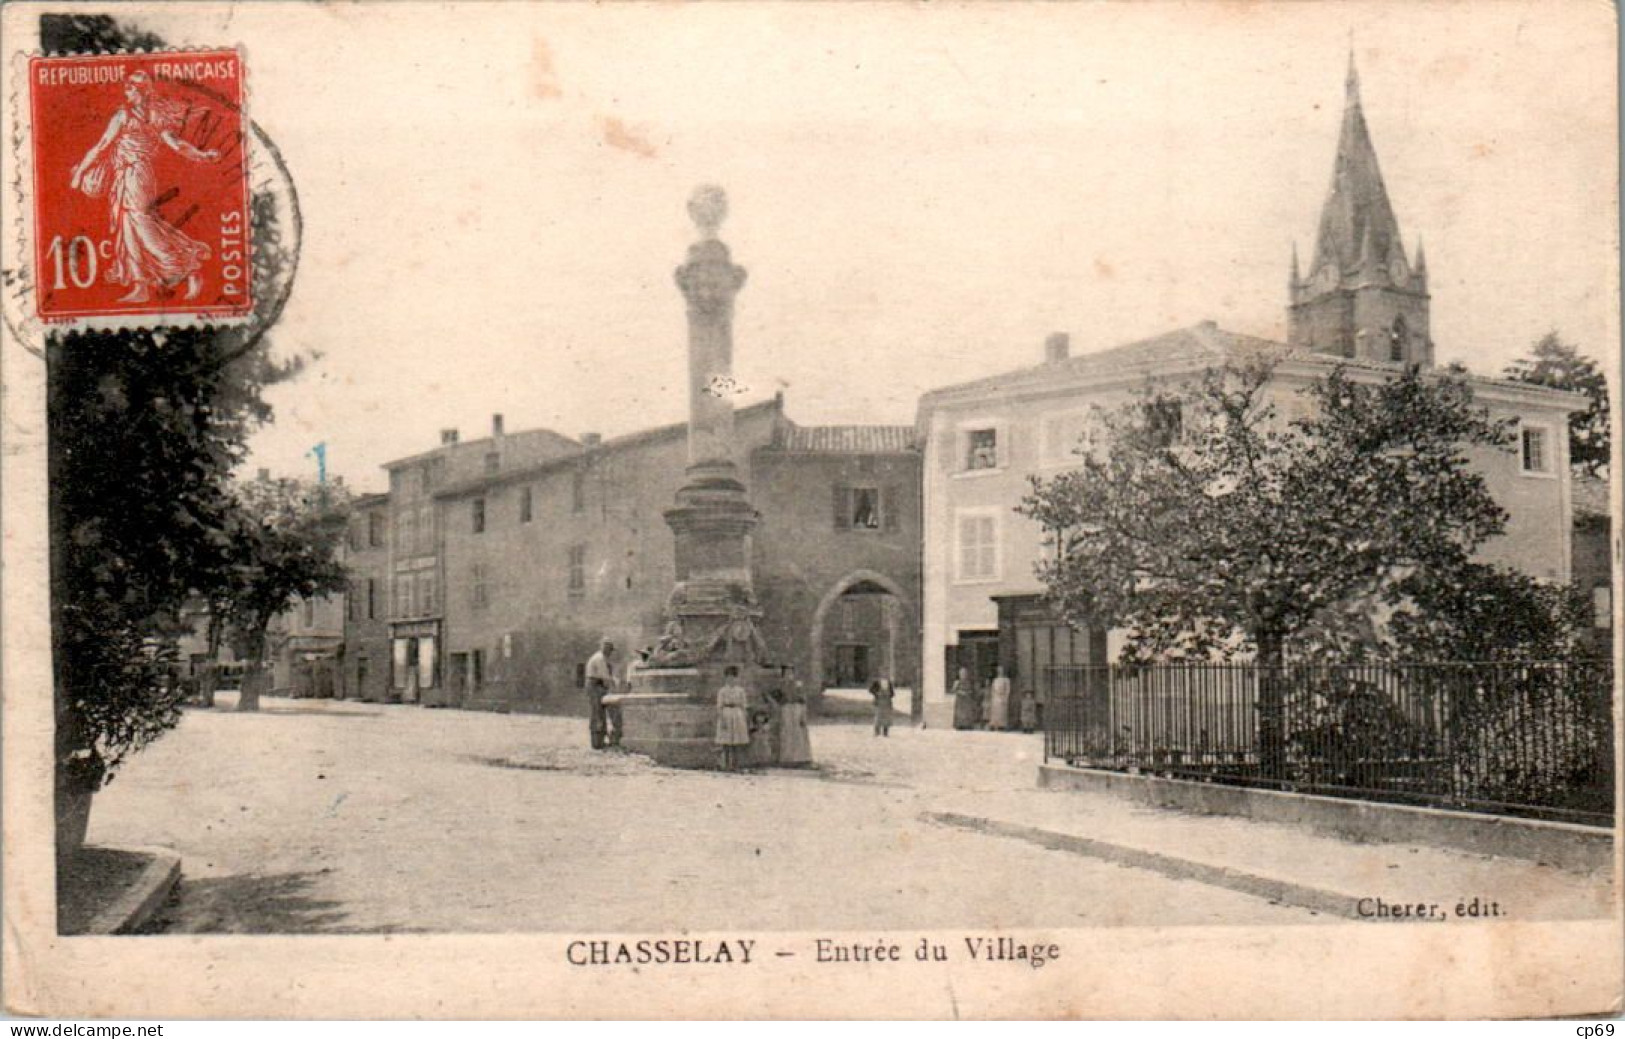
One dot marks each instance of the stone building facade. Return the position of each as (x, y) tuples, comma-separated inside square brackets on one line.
[(416, 575), (541, 561), (366, 660), (1362, 306)]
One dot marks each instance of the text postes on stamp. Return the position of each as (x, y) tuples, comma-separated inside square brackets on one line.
[(140, 200)]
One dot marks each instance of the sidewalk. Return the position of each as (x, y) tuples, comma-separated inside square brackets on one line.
[(1285, 864)]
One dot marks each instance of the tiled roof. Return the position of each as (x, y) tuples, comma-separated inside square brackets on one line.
[(1203, 345), (1197, 346), (850, 440)]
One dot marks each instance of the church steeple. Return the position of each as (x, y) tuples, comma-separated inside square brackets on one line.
[(1359, 285)]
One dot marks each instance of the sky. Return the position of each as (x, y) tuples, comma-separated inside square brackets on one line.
[(494, 195)]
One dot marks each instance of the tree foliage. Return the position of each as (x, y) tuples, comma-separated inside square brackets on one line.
[(1553, 362), (285, 539), (1240, 531), (145, 428)]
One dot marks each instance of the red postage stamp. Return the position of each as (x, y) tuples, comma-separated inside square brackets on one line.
[(140, 188)]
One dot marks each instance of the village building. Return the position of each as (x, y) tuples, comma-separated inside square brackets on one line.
[(540, 559), (416, 612), (367, 653), (1363, 304)]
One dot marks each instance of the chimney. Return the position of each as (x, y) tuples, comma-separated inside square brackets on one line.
[(263, 476), (591, 439), (1057, 347), (496, 424), (448, 436)]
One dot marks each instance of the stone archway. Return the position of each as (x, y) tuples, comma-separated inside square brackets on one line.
[(898, 619)]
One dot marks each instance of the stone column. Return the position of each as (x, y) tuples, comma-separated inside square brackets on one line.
[(713, 517)]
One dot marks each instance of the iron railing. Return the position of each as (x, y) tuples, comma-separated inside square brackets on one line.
[(1525, 738)]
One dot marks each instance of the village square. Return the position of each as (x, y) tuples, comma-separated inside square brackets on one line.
[(1191, 626)]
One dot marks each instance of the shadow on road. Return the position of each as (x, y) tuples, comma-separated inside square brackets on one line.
[(249, 903)]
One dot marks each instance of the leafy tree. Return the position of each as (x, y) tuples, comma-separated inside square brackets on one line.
[(1552, 362), (1237, 531), (145, 428), (284, 547)]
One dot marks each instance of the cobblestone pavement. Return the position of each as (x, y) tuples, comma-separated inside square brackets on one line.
[(319, 816)]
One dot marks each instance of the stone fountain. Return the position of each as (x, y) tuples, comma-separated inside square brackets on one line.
[(713, 619)]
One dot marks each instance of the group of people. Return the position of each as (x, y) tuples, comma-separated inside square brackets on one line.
[(779, 726), (974, 710)]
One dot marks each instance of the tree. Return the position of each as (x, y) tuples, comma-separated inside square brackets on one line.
[(1552, 362), (144, 428), (284, 547), (1231, 531)]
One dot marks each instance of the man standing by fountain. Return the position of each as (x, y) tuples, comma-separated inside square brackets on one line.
[(600, 683)]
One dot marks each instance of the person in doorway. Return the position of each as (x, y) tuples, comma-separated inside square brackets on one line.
[(1029, 711), (883, 692), (967, 701), (733, 726), (600, 683), (998, 702)]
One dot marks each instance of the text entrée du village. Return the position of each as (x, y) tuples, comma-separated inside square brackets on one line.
[(608, 952)]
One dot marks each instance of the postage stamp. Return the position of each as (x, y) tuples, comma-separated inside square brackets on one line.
[(139, 188)]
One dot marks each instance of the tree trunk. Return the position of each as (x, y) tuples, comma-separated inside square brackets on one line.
[(253, 670), (1271, 705)]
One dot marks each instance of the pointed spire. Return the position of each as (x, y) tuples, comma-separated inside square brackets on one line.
[(1351, 83), (1357, 206), (1421, 264), (1295, 277)]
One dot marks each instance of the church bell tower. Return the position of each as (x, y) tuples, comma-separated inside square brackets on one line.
[(1361, 298)]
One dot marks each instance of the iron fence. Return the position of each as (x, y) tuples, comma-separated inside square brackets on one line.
[(1524, 738)]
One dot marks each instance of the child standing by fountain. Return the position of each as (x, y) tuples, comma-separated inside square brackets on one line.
[(733, 727)]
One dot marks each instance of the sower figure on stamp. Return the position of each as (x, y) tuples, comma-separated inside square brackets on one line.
[(600, 683), (148, 251)]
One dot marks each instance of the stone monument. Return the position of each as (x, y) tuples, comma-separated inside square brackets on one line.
[(669, 710)]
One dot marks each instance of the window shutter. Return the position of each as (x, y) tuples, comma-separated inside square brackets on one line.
[(888, 506), (843, 507)]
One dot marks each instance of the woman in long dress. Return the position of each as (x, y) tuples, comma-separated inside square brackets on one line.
[(733, 726), (998, 711), (148, 251), (967, 703), (795, 746)]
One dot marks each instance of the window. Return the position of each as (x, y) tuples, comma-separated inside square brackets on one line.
[(578, 569), (426, 592), (982, 449), (375, 529), (406, 533), (355, 536), (524, 505), (866, 508), (477, 511), (578, 491), (372, 599), (481, 593), (977, 555), (1602, 607), (352, 601), (403, 595), (1536, 444), (1396, 339), (310, 613), (493, 461), (425, 529), (476, 667)]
